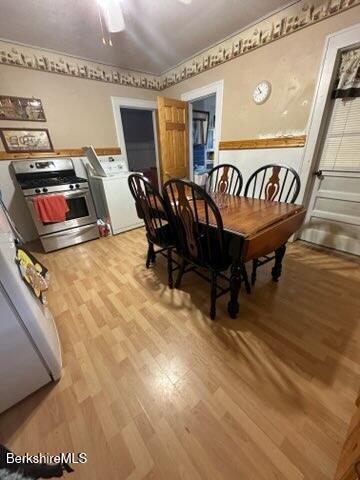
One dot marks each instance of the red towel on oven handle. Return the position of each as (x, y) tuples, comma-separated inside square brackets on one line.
[(50, 208)]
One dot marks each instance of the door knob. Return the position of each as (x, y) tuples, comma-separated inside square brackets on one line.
[(318, 173)]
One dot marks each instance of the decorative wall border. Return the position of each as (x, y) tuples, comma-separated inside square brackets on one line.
[(35, 59), (285, 22), (254, 143), (68, 152)]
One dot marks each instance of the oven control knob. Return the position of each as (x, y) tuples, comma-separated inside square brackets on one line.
[(77, 185), (31, 165), (45, 190), (71, 187), (37, 190)]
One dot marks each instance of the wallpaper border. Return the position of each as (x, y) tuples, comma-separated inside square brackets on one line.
[(289, 20)]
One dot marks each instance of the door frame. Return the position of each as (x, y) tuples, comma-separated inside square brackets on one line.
[(137, 104), (334, 44), (216, 88)]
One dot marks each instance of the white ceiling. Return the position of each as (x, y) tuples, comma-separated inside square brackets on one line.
[(159, 33)]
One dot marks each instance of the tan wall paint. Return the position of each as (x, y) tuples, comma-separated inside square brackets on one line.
[(291, 64), (78, 111)]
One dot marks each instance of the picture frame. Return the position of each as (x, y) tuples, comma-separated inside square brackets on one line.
[(200, 127), (26, 140), (21, 109)]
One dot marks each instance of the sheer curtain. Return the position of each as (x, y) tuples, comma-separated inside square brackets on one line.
[(341, 146), (348, 80)]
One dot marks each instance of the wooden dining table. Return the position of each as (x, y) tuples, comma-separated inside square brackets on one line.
[(257, 228)]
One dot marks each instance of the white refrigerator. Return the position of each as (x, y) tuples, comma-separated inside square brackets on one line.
[(30, 354)]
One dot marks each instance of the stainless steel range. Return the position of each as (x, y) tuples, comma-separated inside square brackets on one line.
[(57, 175)]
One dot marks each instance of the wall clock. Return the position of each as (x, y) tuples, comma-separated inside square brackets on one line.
[(261, 92)]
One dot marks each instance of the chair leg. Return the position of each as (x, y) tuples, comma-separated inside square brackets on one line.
[(213, 295), (170, 267), (253, 273), (152, 253), (149, 255), (181, 273), (246, 279)]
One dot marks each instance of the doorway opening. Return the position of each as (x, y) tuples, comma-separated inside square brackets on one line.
[(135, 122), (205, 114), (203, 118), (139, 136)]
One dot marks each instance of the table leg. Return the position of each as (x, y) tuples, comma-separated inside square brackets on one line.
[(279, 255), (235, 283)]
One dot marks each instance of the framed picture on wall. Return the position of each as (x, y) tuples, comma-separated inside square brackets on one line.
[(200, 127), (26, 140), (21, 108)]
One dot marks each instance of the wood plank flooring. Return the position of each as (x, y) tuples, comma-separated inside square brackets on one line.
[(153, 389)]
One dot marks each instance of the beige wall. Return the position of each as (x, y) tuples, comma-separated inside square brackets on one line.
[(291, 64), (78, 111)]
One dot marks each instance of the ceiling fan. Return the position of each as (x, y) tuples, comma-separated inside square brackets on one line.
[(111, 14)]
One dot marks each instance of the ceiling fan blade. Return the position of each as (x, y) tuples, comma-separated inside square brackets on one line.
[(113, 15)]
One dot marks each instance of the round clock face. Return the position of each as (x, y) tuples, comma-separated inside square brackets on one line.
[(261, 92)]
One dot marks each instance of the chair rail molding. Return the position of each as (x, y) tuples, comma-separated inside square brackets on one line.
[(67, 152), (255, 143)]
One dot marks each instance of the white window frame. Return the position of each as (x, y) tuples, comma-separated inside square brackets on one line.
[(135, 103), (198, 94), (334, 44)]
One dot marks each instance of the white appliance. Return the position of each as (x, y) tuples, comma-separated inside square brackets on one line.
[(113, 201), (30, 354)]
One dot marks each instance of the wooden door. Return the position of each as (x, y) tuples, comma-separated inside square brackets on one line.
[(173, 138), (334, 211), (334, 219)]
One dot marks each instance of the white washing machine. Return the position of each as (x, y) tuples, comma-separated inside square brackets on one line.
[(113, 201)]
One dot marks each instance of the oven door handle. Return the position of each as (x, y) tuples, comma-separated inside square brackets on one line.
[(77, 193), (71, 194)]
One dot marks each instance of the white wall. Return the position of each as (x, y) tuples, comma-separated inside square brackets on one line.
[(247, 161), (15, 203)]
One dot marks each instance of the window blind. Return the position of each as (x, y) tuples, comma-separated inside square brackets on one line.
[(341, 147)]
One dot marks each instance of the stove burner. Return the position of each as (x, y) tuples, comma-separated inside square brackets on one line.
[(49, 182)]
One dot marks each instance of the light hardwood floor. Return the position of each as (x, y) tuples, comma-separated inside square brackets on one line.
[(153, 389)]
